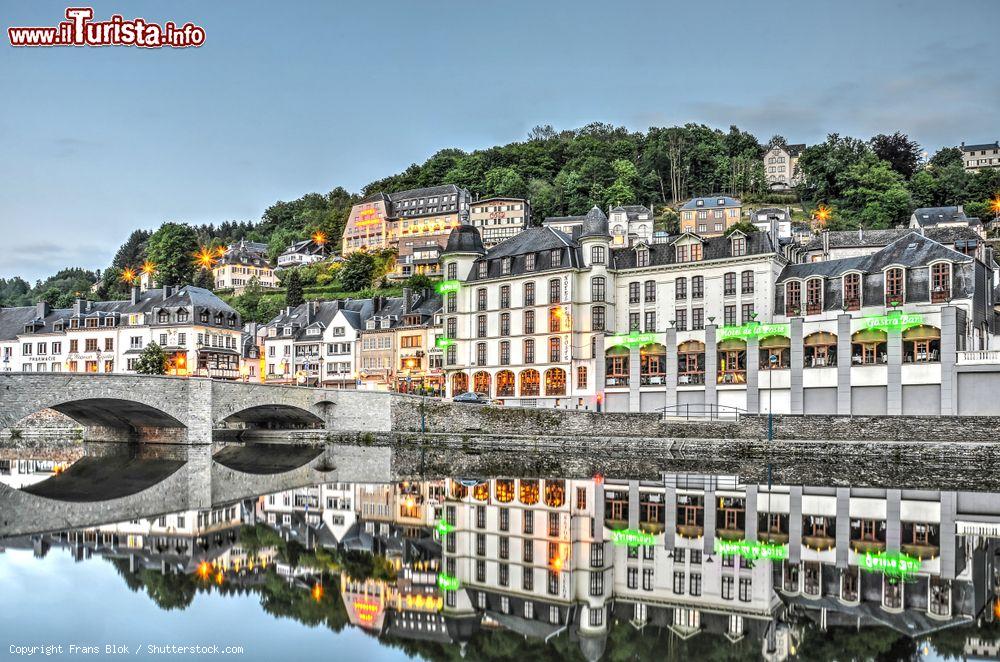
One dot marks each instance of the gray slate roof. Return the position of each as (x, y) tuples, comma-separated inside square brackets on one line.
[(863, 238), (981, 146), (713, 248), (711, 202)]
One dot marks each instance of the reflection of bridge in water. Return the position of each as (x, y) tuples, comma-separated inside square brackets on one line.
[(119, 487)]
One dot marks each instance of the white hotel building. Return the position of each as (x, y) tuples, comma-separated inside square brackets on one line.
[(700, 325)]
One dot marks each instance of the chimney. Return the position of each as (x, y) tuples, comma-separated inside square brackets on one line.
[(78, 308), (42, 309), (136, 294), (407, 300), (168, 291), (826, 243)]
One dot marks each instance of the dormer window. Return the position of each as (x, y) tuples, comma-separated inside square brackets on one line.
[(287, 331), (793, 298), (483, 268), (91, 322), (739, 246), (555, 257), (182, 315), (895, 294), (699, 203), (163, 317), (722, 202), (505, 265), (642, 257), (814, 296), (204, 317), (218, 318), (529, 262), (940, 282)]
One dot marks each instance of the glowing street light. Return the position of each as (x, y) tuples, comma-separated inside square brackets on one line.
[(220, 251), (823, 214), (319, 237), (129, 275), (995, 206), (205, 257), (148, 268)]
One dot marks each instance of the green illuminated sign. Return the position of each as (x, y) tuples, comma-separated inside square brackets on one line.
[(895, 321), (447, 582), (443, 343), (891, 564), (751, 549), (633, 339), (753, 330), (443, 528), (446, 286), (632, 538)]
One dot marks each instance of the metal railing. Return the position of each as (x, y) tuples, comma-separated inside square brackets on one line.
[(702, 412), (979, 357)]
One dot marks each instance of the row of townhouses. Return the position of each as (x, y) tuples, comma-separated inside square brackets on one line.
[(201, 334)]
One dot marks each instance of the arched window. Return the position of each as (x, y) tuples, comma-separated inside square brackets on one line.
[(895, 288), (597, 288), (868, 347), (616, 366), (852, 291), (503, 490), (729, 283), (555, 493), (459, 383), (529, 294), (746, 282), (481, 382), (820, 350), (652, 364), (528, 492), (529, 383), (505, 384), (922, 344), (555, 291), (777, 346), (458, 491), (649, 291), (814, 296), (597, 255), (940, 282), (555, 381), (732, 368), (793, 298), (691, 363)]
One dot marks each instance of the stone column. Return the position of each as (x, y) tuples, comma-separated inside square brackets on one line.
[(753, 366), (844, 365), (599, 368), (946, 534), (200, 411), (750, 527), (711, 366), (670, 512), (634, 375), (949, 357), (893, 525), (709, 538), (894, 374), (794, 524), (795, 356), (633, 504), (670, 378), (843, 535)]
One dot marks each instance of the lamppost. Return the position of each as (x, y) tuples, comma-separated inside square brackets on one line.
[(771, 359)]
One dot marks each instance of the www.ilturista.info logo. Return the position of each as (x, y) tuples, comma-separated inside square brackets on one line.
[(80, 30)]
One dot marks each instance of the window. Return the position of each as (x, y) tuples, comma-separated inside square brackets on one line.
[(505, 296), (940, 282), (739, 246), (529, 322), (633, 321), (596, 554), (814, 296), (746, 282), (529, 357), (680, 316), (727, 588), (555, 291), (729, 315), (680, 288), (632, 578), (482, 269), (697, 287), (555, 257), (745, 589), (481, 354), (633, 292), (596, 584), (597, 255), (554, 350), (504, 357), (747, 314), (597, 288), (452, 302), (451, 328), (679, 582), (642, 257), (697, 319), (505, 264), (555, 319), (529, 294), (649, 291), (581, 377), (694, 586), (597, 318), (852, 291), (729, 284), (480, 326), (529, 262), (793, 297), (894, 288), (650, 321), (647, 578), (505, 324), (452, 271), (481, 298)]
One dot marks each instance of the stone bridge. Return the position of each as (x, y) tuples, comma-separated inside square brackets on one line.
[(121, 487), (184, 409)]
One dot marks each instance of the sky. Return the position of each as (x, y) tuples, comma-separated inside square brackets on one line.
[(294, 97)]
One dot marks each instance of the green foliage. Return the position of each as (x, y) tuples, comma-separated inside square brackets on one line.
[(901, 153), (418, 282), (152, 361), (203, 278), (744, 226), (505, 182), (293, 289), (875, 193), (172, 249), (359, 272)]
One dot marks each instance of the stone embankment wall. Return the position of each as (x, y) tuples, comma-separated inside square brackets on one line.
[(46, 422), (410, 415)]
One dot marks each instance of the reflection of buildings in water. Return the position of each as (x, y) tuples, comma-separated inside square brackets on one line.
[(536, 556), (19, 473)]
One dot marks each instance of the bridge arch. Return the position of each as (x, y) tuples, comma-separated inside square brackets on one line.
[(275, 416)]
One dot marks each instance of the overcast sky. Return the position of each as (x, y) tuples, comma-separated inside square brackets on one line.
[(292, 97)]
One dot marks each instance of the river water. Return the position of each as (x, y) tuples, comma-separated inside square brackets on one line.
[(294, 552)]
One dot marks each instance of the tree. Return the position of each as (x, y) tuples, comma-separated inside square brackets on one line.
[(744, 226), (946, 156), (358, 272), (293, 289), (418, 282), (901, 153), (152, 361), (204, 278), (172, 249), (823, 166), (505, 182), (875, 194)]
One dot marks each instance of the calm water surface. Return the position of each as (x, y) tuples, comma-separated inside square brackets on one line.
[(267, 552)]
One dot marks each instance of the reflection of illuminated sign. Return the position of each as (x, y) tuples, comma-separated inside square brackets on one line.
[(633, 339), (897, 321), (446, 286), (753, 330), (891, 564), (444, 528), (447, 582), (751, 549), (632, 538), (421, 601), (366, 611)]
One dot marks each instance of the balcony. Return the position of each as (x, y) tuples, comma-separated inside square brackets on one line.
[(865, 546), (979, 357)]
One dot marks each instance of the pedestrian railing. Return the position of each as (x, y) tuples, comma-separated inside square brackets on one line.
[(702, 412)]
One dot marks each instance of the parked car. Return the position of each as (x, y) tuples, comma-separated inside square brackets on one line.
[(471, 398)]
